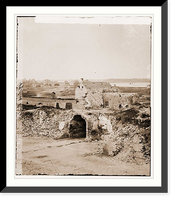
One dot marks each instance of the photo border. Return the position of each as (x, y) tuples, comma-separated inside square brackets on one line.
[(164, 138)]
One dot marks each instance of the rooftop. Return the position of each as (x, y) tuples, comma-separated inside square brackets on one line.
[(96, 85)]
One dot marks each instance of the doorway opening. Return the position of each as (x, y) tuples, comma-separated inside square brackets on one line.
[(77, 127), (106, 104), (68, 105), (57, 106)]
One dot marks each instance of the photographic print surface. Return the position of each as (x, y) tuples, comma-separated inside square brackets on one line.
[(83, 91)]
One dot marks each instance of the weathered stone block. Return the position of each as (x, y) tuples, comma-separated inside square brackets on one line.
[(109, 147), (137, 147)]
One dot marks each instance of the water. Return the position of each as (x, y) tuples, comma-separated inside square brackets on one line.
[(140, 84)]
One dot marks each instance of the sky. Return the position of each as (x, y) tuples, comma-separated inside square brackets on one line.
[(59, 51)]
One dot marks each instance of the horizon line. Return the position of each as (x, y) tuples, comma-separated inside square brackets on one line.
[(80, 79)]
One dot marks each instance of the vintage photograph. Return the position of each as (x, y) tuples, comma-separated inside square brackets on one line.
[(83, 95)]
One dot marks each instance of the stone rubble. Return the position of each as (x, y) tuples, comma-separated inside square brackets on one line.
[(130, 140), (125, 134)]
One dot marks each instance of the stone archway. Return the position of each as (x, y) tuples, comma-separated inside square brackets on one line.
[(78, 127)]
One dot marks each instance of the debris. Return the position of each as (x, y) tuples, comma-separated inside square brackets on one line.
[(126, 133)]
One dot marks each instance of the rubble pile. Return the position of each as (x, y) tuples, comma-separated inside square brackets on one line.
[(126, 134), (54, 123), (131, 138), (43, 122)]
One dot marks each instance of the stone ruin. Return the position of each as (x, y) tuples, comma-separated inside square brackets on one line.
[(125, 132)]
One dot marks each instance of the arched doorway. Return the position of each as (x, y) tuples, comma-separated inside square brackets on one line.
[(57, 106), (77, 127)]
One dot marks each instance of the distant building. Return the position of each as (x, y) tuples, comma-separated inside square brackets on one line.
[(91, 93), (102, 95), (88, 95), (59, 103), (119, 100)]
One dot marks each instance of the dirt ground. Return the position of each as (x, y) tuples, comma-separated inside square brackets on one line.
[(46, 156)]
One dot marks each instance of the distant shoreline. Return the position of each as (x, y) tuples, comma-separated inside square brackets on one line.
[(115, 80)]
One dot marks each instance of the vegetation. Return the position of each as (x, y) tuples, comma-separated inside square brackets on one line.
[(48, 88), (139, 90)]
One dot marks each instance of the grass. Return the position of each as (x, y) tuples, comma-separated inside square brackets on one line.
[(46, 91), (138, 90)]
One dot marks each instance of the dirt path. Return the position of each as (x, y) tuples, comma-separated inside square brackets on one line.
[(42, 155)]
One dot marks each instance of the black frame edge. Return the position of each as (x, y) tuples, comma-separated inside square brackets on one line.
[(164, 85), (164, 187)]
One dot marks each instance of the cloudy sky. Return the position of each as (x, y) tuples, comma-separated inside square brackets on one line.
[(92, 51)]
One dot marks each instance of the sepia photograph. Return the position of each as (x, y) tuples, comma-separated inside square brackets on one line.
[(83, 95)]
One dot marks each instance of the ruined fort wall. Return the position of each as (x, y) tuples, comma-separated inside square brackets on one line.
[(80, 91), (120, 100), (129, 136), (48, 102), (52, 123), (95, 99), (117, 133), (56, 123)]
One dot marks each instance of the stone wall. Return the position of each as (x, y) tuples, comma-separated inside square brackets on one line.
[(48, 123), (90, 99), (80, 91), (95, 99), (125, 132), (48, 102), (98, 99), (51, 122), (56, 123), (119, 100), (130, 137)]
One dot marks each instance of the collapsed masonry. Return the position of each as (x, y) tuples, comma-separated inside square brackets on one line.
[(95, 95), (126, 132), (88, 95)]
